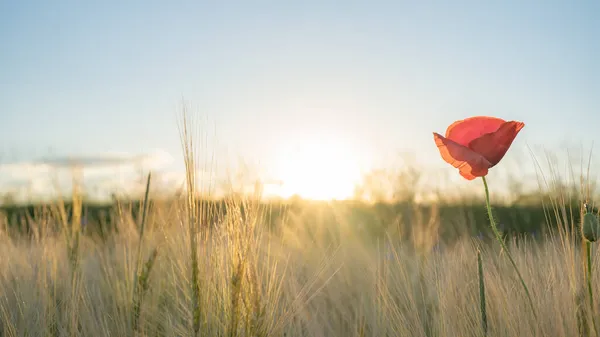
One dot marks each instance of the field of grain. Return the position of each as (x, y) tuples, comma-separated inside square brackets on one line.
[(184, 267)]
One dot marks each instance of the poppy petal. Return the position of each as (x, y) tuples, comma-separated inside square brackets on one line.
[(470, 163), (467, 175), (465, 131), (493, 146)]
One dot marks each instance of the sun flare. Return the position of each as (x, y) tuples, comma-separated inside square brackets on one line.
[(318, 170)]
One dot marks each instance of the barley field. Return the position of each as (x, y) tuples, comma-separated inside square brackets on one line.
[(306, 279), (185, 267)]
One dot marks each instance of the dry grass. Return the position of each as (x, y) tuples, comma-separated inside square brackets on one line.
[(307, 281)]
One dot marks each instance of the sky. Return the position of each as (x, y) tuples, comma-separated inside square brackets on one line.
[(275, 78)]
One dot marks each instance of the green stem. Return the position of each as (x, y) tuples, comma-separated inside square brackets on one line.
[(484, 321), (503, 245), (588, 251)]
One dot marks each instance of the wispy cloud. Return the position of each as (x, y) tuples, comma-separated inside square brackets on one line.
[(101, 174), (105, 175)]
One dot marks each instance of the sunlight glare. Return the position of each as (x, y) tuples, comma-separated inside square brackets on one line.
[(318, 171)]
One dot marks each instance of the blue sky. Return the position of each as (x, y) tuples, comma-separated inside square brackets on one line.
[(378, 76)]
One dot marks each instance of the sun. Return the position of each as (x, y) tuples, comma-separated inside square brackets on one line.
[(318, 170)]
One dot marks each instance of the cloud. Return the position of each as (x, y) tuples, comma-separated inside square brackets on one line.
[(20, 171), (108, 163), (103, 174)]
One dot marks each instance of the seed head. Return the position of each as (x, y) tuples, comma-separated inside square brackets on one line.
[(590, 227)]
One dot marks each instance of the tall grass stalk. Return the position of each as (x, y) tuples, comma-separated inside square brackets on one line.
[(72, 233), (482, 305), (192, 218), (503, 245), (142, 274), (588, 250)]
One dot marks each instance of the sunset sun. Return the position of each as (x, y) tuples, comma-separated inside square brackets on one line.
[(318, 170)]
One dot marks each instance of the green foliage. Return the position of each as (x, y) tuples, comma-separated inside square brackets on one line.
[(457, 220), (590, 228)]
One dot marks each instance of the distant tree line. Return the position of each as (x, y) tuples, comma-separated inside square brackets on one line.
[(452, 221)]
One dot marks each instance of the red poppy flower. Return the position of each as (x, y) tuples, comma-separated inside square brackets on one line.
[(475, 144)]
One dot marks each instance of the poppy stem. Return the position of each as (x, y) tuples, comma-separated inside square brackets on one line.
[(503, 245)]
